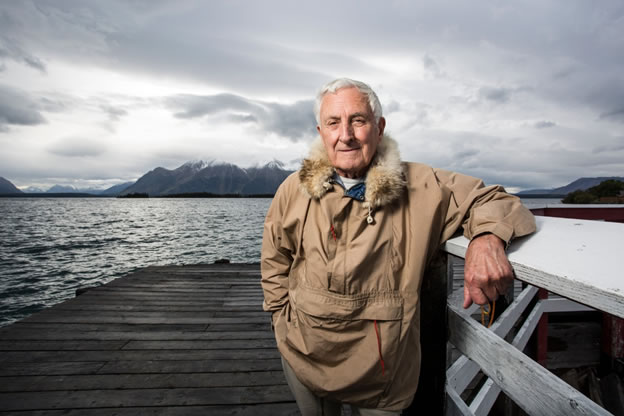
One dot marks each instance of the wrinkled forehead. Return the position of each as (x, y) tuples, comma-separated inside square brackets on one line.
[(348, 99)]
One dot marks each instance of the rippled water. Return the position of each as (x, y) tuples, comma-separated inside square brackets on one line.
[(51, 246)]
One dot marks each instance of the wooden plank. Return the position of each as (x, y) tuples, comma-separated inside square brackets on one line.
[(89, 327), (190, 366), (63, 345), (55, 368), (194, 344), (144, 397), (584, 265), (240, 344), (141, 318), (141, 381), (270, 409), (35, 334), (69, 356), (518, 376)]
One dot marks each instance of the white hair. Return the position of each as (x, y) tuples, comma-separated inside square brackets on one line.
[(340, 83)]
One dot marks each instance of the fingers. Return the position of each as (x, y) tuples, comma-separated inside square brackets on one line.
[(478, 295), (467, 297)]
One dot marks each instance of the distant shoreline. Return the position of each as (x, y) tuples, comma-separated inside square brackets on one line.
[(86, 195), (55, 195), (540, 196)]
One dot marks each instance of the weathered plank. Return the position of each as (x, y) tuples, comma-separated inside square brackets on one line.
[(144, 397), (29, 335), (270, 409), (519, 376), (141, 381), (188, 366)]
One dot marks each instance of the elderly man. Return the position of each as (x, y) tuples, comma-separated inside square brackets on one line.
[(346, 242)]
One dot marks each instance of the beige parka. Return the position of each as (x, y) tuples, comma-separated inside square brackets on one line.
[(342, 276)]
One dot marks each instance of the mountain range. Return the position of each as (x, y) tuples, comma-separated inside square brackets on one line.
[(580, 184), (210, 177), (219, 178)]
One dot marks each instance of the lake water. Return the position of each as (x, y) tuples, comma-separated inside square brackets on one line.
[(49, 247)]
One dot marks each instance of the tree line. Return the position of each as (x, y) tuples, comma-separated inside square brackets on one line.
[(607, 192)]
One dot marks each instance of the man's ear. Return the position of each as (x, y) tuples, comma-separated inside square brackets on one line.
[(318, 128), (381, 125)]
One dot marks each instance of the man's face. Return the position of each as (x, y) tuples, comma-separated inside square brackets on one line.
[(349, 131)]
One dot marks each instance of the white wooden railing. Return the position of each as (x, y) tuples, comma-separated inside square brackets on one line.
[(579, 260)]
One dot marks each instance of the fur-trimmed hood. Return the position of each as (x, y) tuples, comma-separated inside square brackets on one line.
[(385, 179)]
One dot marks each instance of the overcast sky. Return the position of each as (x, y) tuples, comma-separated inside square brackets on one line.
[(528, 94)]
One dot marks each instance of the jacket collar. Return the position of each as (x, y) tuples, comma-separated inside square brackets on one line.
[(385, 180)]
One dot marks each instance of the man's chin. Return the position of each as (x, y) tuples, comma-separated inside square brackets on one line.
[(354, 171)]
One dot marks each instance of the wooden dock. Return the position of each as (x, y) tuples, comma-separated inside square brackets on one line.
[(179, 340)]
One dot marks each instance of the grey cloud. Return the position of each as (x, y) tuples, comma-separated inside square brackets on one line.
[(18, 108), (615, 115), (56, 103), (392, 107), (243, 118), (76, 147), (432, 67), (466, 154), (609, 148), (114, 113), (500, 94), (544, 124), (193, 106), (11, 49), (294, 121)]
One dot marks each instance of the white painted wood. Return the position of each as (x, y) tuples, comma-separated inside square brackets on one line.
[(485, 398), (528, 384), (455, 406), (578, 259), (461, 373)]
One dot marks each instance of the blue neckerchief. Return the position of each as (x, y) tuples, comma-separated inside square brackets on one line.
[(356, 192)]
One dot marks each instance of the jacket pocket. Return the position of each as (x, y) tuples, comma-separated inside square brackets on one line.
[(350, 344)]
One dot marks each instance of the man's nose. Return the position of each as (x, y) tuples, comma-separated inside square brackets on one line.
[(346, 132)]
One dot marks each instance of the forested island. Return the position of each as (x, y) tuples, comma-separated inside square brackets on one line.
[(607, 192)]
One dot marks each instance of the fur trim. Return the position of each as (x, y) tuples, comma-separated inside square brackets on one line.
[(385, 180)]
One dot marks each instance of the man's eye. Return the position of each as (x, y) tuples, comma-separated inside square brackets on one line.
[(359, 121)]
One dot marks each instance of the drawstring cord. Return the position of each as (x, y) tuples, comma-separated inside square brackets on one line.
[(383, 365), (333, 232), (490, 311)]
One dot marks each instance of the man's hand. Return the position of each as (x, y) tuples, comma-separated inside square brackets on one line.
[(487, 272)]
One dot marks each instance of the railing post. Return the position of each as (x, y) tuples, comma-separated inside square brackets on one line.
[(433, 336), (541, 350)]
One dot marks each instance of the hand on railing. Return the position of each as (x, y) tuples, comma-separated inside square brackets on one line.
[(487, 272)]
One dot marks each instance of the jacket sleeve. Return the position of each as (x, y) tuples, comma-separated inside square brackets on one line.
[(480, 209), (276, 257)]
